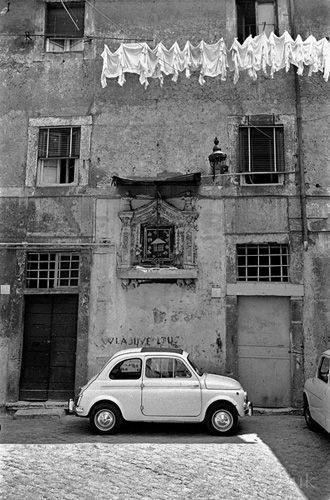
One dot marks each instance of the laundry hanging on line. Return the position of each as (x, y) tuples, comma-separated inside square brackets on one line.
[(255, 54)]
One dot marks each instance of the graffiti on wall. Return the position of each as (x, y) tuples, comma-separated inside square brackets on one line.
[(123, 342)]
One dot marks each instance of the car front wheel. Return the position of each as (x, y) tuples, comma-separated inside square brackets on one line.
[(105, 418), (222, 419)]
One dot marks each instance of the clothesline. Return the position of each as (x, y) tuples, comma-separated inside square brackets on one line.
[(259, 53)]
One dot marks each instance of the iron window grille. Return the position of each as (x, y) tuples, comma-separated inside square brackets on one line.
[(52, 270), (262, 154), (65, 27), (58, 151), (255, 17), (263, 262)]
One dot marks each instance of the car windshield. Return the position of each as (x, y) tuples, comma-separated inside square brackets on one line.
[(195, 366)]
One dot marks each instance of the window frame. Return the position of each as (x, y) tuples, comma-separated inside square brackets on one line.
[(120, 363), (53, 273), (71, 43), (241, 5), (246, 277), (247, 156), (160, 358), (82, 164), (58, 158)]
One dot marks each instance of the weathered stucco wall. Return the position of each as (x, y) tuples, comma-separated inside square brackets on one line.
[(144, 132)]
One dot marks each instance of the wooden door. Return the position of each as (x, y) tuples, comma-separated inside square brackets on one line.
[(263, 350), (49, 347)]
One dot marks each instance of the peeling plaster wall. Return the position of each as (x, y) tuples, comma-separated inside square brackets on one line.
[(144, 132), (162, 313), (315, 102)]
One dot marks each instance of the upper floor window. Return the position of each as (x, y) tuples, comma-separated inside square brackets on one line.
[(255, 17), (263, 262), (58, 150), (52, 270), (261, 152), (65, 26)]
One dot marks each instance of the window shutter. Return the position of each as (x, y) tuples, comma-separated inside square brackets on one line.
[(56, 143), (42, 145), (243, 150), (262, 149), (60, 25), (75, 146), (279, 137), (59, 143)]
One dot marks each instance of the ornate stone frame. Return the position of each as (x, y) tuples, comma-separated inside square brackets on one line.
[(184, 272)]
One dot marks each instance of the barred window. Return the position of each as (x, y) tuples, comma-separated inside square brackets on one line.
[(58, 150), (52, 270), (263, 262)]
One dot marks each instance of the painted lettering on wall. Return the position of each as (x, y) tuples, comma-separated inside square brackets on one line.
[(174, 341)]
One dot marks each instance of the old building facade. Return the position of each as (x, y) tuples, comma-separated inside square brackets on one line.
[(114, 230)]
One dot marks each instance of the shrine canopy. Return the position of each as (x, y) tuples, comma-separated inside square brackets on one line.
[(165, 185), (256, 54)]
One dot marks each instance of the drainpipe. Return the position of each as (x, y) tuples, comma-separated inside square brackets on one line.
[(302, 186)]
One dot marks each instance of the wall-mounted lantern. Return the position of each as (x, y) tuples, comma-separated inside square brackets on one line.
[(217, 159)]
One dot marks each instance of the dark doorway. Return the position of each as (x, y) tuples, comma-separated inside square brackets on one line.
[(49, 347)]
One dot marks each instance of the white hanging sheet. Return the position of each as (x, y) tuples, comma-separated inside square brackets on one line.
[(255, 54)]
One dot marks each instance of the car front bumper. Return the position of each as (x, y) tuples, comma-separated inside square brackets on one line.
[(248, 409)]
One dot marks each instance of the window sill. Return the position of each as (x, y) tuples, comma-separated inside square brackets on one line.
[(71, 184), (251, 288)]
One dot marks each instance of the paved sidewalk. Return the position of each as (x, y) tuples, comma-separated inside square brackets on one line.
[(271, 457)]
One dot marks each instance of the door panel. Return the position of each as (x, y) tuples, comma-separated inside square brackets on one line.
[(171, 398), (263, 350), (48, 361)]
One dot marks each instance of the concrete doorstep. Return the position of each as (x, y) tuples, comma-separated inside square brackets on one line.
[(39, 413)]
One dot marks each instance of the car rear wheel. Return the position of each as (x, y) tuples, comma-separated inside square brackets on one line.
[(222, 419), (105, 418), (308, 417)]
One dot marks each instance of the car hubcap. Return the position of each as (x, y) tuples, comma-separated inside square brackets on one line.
[(105, 420), (222, 420)]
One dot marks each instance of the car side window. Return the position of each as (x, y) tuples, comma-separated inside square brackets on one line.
[(159, 367), (129, 369), (180, 370), (323, 371), (166, 368)]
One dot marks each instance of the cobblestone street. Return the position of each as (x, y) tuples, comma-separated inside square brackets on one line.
[(272, 456)]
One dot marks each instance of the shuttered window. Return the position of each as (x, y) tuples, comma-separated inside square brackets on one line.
[(261, 151), (59, 142), (255, 17), (60, 23)]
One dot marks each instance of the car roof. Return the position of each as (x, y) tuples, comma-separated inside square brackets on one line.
[(326, 353), (149, 350)]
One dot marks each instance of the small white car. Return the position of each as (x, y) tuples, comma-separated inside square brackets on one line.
[(160, 385), (317, 395)]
